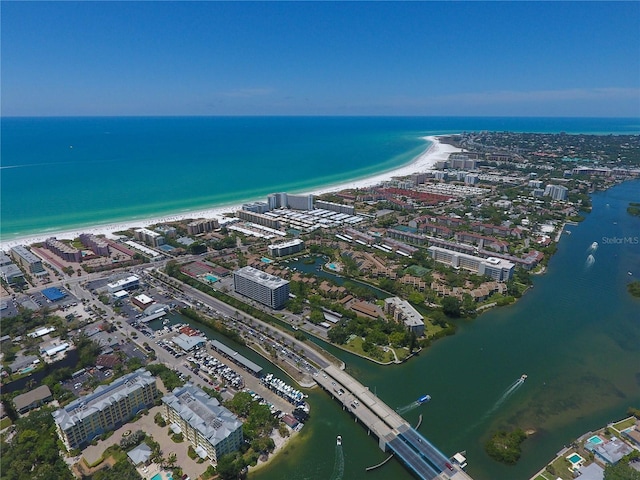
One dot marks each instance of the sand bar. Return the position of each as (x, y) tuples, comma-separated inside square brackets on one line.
[(424, 162)]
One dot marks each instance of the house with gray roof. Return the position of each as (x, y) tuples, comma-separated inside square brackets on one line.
[(32, 399), (107, 408), (212, 429), (140, 455), (612, 451)]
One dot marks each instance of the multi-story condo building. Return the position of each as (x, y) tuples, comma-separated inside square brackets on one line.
[(63, 250), (402, 311), (107, 408), (556, 192), (212, 429), (202, 226), (149, 237), (336, 207), (497, 268), (277, 200), (98, 245), (286, 248), (461, 160), (300, 202), (259, 219), (260, 286), (28, 260), (256, 207)]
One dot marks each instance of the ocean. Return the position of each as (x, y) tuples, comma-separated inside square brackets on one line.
[(64, 173)]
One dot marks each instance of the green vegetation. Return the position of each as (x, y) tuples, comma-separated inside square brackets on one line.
[(170, 379), (212, 323), (34, 451), (634, 288), (257, 428), (621, 471), (504, 446), (634, 209)]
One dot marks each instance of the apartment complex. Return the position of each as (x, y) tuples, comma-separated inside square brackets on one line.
[(556, 192), (212, 429), (98, 245), (260, 286), (286, 248), (149, 237), (259, 219), (402, 311), (63, 250), (497, 268), (336, 207), (202, 226), (27, 259), (107, 408)]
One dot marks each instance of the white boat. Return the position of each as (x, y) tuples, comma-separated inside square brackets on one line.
[(523, 377), (339, 440)]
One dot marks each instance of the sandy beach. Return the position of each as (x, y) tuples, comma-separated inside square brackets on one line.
[(424, 162)]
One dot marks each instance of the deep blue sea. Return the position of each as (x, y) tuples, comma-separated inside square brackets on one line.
[(63, 173)]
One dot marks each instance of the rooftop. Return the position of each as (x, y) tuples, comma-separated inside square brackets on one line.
[(203, 413)]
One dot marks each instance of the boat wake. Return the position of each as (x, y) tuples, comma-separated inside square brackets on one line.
[(338, 466), (506, 394), (589, 262), (408, 408)]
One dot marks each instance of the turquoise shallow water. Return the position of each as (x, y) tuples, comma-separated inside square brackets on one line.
[(62, 173)]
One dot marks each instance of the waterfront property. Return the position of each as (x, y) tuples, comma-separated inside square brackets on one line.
[(286, 248), (497, 268), (107, 408), (267, 289), (402, 311), (212, 429)]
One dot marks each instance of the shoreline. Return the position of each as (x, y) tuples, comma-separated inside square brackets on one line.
[(435, 152)]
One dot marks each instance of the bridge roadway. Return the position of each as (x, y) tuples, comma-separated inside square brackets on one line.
[(393, 432)]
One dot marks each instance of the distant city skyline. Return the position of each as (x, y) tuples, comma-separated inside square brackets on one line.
[(321, 58)]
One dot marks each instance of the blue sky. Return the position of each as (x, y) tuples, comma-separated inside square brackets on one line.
[(321, 58)]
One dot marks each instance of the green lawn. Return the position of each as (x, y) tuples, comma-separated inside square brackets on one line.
[(624, 424), (355, 345), (5, 422), (561, 468)]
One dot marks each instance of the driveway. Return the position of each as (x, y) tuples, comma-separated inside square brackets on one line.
[(160, 434)]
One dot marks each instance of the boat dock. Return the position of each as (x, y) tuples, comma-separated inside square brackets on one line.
[(393, 432)]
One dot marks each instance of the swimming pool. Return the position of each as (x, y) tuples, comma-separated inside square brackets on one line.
[(595, 440), (575, 460), (266, 260), (211, 278), (161, 476), (27, 369), (332, 266)]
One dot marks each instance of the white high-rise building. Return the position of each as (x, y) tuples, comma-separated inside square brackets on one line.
[(260, 286)]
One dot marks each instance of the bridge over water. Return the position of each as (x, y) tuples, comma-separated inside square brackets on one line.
[(393, 432)]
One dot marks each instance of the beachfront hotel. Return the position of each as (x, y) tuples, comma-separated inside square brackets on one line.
[(107, 408), (212, 429), (497, 268), (267, 289)]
